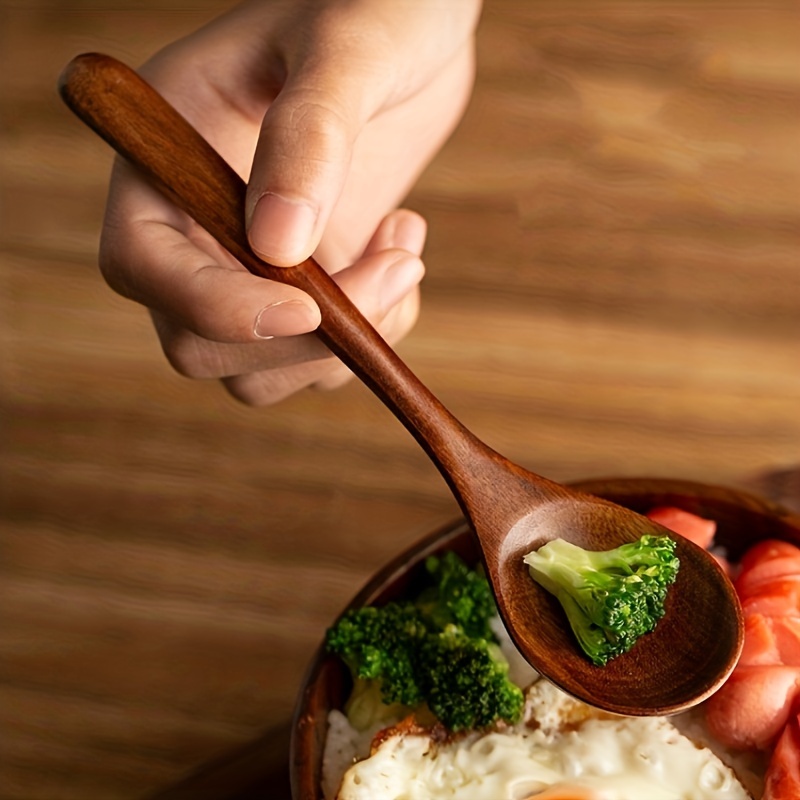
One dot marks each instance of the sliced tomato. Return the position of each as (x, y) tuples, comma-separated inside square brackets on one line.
[(767, 550), (751, 709), (782, 781), (697, 529), (771, 640), (779, 597), (758, 577), (787, 636), (760, 644)]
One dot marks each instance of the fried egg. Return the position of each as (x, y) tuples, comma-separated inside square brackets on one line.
[(561, 751)]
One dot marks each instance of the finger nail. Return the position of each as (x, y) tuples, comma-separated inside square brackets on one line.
[(399, 279), (285, 318), (281, 229)]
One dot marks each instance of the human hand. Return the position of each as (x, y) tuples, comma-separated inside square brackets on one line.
[(330, 110)]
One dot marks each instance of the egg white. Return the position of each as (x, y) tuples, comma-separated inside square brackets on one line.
[(560, 744)]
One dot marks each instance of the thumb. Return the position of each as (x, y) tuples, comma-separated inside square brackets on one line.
[(303, 157)]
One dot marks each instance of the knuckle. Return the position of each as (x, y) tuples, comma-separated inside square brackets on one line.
[(323, 129), (184, 352), (185, 364), (119, 268), (259, 389), (185, 368), (313, 115), (401, 318), (114, 250), (112, 266)]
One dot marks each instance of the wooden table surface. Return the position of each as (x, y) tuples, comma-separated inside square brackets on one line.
[(613, 288)]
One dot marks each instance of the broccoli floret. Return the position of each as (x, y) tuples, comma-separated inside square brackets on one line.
[(378, 644), (434, 653), (610, 597), (459, 596), (466, 681)]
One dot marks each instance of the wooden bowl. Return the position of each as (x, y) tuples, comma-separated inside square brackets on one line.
[(742, 519)]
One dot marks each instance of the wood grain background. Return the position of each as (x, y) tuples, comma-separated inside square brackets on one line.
[(613, 288)]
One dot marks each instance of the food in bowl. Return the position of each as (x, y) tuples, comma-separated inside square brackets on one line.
[(743, 521), (563, 749), (432, 716), (433, 655)]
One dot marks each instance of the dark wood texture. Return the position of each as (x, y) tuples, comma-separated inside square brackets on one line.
[(612, 289), (742, 519), (510, 510)]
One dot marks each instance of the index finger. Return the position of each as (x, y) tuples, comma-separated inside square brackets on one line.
[(154, 254)]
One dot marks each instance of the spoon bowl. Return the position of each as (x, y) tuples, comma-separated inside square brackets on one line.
[(511, 510)]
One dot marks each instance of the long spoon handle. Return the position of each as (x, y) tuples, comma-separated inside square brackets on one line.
[(141, 126)]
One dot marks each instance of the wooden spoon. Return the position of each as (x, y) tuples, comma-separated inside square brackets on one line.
[(511, 510)]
